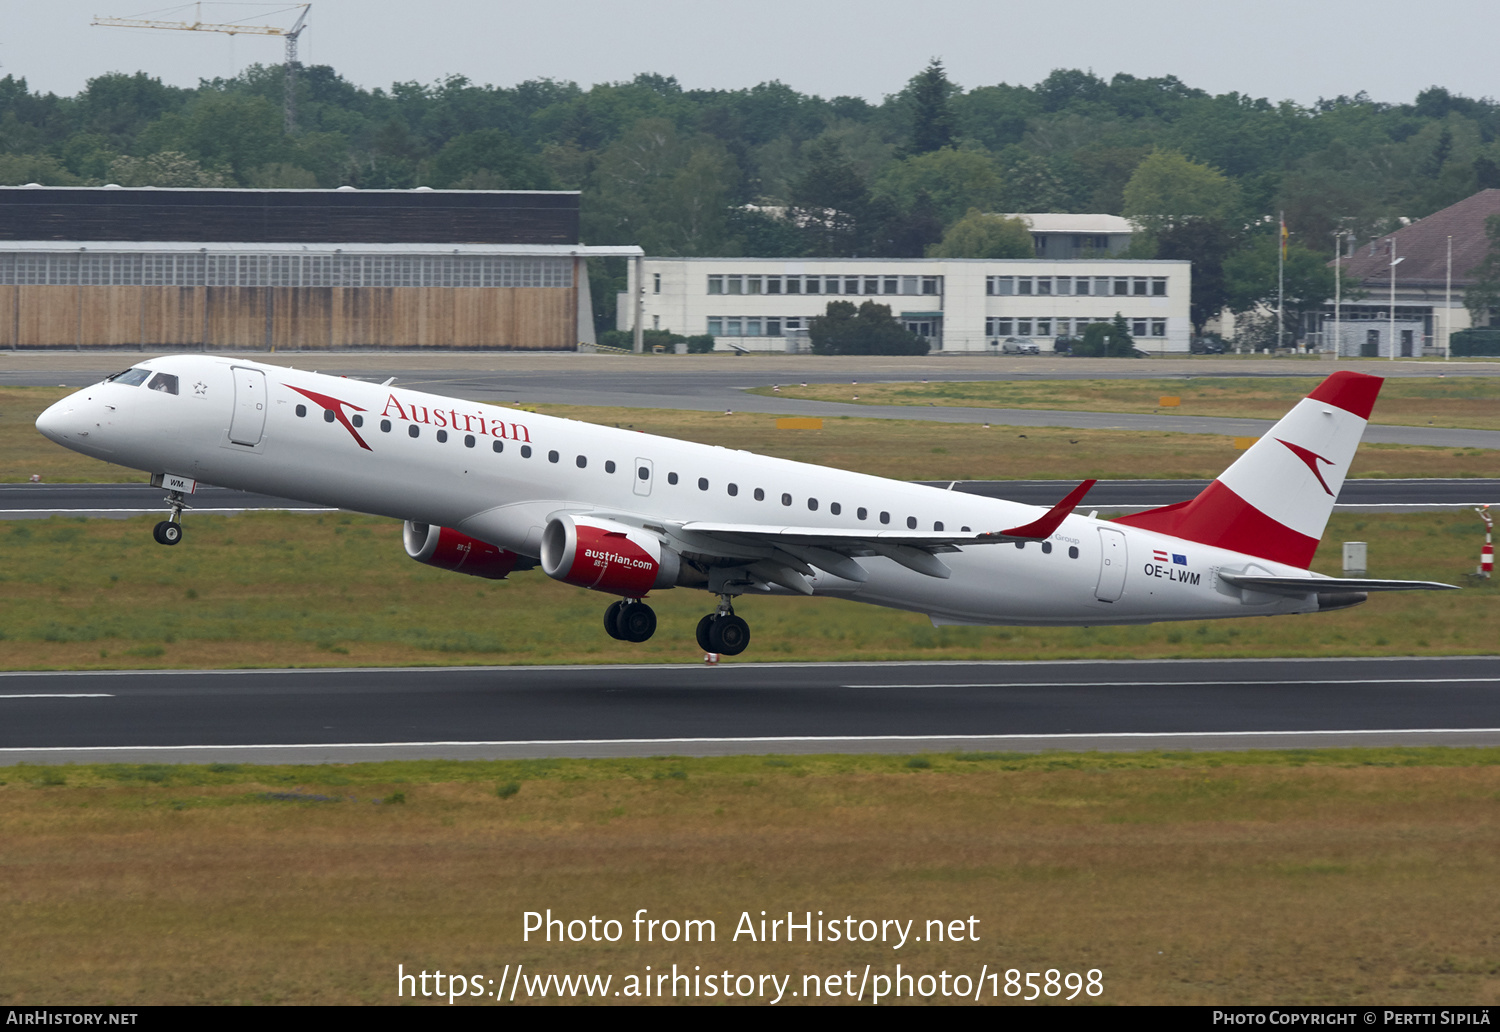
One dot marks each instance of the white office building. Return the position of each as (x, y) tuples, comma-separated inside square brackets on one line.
[(962, 305)]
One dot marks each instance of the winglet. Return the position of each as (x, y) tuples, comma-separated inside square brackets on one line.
[(1043, 528)]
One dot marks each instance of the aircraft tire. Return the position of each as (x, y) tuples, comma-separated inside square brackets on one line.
[(705, 629), (637, 622), (612, 619), (730, 635), (167, 533)]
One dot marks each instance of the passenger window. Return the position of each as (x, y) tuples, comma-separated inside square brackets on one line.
[(760, 495), (734, 489), (938, 525), (328, 418), (164, 382), (835, 508), (644, 472), (1020, 544), (911, 523), (861, 513), (582, 461), (497, 447), (609, 467), (671, 478), (885, 517), (703, 483), (552, 456), (786, 499), (468, 439), (358, 420), (385, 424), (1072, 551), (442, 435), (414, 431), (525, 451), (812, 505), (1046, 548), (301, 411)]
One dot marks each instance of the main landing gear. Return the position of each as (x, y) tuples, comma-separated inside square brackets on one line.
[(630, 619), (169, 530), (723, 632)]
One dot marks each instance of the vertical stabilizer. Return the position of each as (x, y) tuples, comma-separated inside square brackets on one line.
[(1275, 500)]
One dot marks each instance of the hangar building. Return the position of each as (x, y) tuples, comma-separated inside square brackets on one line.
[(172, 269)]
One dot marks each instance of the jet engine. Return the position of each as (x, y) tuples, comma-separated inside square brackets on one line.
[(447, 549), (606, 556)]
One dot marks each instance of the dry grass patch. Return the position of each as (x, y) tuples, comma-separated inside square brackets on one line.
[(1352, 876), (1456, 401)]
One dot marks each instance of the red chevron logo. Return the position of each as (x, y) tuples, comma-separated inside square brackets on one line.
[(1312, 459), (335, 406)]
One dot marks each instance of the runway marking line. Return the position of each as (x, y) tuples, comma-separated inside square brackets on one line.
[(1186, 684), (768, 738)]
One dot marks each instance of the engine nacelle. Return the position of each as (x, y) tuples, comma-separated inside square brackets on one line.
[(447, 549), (606, 556)]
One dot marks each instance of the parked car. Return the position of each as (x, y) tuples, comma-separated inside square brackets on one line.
[(1019, 346)]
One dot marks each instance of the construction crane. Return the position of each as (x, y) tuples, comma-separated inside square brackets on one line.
[(235, 29)]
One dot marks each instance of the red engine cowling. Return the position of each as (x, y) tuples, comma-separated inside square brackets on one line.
[(606, 556), (447, 549)]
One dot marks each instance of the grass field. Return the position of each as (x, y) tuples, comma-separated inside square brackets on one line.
[(277, 589), (1451, 401), (1363, 877), (901, 449)]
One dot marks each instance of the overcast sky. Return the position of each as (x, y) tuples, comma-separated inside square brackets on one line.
[(1281, 49)]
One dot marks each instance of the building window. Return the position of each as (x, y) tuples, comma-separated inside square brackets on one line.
[(1003, 286), (1158, 327), (1158, 286), (752, 284), (1101, 286), (995, 326), (1139, 286), (733, 327), (1044, 285), (1081, 286), (1044, 327), (1039, 244), (734, 284), (832, 285), (1064, 285), (716, 326), (1122, 287), (1023, 327), (931, 284), (1138, 327), (794, 284), (716, 284), (773, 327), (872, 285), (656, 283), (1024, 285), (773, 284), (752, 327), (890, 285), (908, 284), (851, 284), (811, 285)]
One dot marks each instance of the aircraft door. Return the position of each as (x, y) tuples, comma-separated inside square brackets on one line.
[(1111, 565), (642, 478), (249, 419)]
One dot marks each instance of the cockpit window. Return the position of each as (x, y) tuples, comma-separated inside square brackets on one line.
[(164, 382), (131, 377)]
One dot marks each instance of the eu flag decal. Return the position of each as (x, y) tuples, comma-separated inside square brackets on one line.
[(1180, 560)]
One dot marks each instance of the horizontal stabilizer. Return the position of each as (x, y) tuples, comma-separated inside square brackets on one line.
[(1302, 585)]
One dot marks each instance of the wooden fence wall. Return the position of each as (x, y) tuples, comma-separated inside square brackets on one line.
[(289, 318)]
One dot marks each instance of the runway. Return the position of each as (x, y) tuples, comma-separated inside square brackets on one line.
[(120, 501), (315, 716)]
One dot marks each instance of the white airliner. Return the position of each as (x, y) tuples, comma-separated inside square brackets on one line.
[(486, 490)]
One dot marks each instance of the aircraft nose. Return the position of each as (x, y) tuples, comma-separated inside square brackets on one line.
[(54, 424)]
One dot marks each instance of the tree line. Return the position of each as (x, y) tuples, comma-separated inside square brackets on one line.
[(770, 172)]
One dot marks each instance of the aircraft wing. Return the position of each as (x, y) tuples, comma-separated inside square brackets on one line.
[(1302, 585), (786, 555)]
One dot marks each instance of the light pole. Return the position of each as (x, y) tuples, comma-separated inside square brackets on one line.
[(1338, 263), (1394, 262)]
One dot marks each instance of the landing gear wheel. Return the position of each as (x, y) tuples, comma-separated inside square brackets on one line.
[(728, 635), (167, 533), (705, 629), (612, 620), (636, 622)]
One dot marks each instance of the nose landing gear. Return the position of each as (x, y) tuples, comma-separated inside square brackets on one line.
[(169, 530), (630, 619), (722, 631)]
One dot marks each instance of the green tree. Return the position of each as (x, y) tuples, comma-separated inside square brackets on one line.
[(667, 193), (20, 169), (1483, 293), (978, 235), (932, 119), (168, 168), (831, 202), (1206, 243), (1250, 282), (954, 180), (488, 160), (1106, 340), (867, 330), (1167, 188)]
